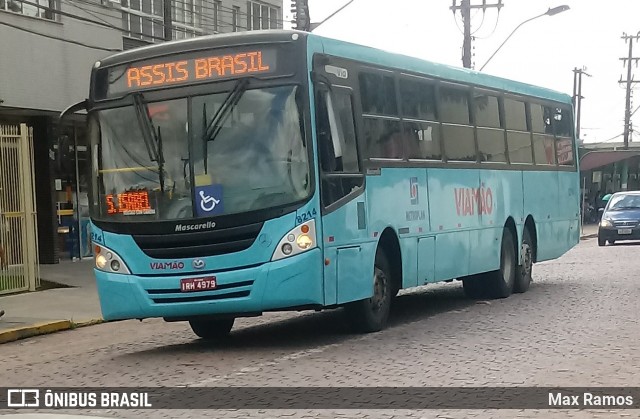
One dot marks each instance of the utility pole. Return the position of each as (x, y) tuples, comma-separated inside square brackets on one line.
[(629, 81), (577, 96), (300, 10), (627, 110), (465, 10), (168, 35)]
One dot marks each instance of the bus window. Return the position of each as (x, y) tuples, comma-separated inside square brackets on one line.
[(423, 139), (543, 140), (459, 142), (421, 129), (378, 94), (518, 136), (563, 127), (383, 138), (490, 134), (337, 145)]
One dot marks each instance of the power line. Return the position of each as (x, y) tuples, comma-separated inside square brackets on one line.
[(58, 38)]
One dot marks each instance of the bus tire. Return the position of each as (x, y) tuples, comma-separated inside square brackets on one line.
[(212, 328), (525, 268), (371, 314), (500, 283)]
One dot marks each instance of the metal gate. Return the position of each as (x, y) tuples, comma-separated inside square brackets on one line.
[(19, 270)]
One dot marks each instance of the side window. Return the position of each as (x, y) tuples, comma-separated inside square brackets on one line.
[(518, 136), (337, 145), (378, 94), (489, 132), (420, 127), (381, 123), (543, 140), (459, 142), (563, 127)]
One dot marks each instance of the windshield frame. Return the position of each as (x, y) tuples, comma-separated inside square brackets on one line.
[(188, 92)]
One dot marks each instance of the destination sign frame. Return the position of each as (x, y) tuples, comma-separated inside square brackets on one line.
[(186, 69)]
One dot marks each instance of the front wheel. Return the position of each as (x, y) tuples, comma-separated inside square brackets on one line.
[(601, 242), (212, 328), (371, 314)]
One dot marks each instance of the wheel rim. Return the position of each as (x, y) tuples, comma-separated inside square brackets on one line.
[(379, 289), (527, 259)]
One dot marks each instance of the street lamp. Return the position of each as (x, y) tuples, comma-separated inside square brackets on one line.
[(550, 12)]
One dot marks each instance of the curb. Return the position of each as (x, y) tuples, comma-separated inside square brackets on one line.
[(589, 236), (37, 329)]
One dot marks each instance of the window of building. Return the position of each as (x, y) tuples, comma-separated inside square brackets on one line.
[(262, 16), (44, 9), (187, 16), (143, 19), (235, 13)]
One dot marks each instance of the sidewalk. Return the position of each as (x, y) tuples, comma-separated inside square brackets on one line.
[(35, 313), (589, 231)]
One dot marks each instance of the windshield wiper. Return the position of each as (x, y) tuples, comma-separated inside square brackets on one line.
[(212, 129), (152, 140)]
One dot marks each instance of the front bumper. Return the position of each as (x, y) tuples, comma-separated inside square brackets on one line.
[(292, 282), (612, 233)]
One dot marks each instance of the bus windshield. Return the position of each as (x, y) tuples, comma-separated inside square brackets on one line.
[(233, 152)]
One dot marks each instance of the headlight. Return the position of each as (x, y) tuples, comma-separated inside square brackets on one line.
[(296, 241), (605, 223), (109, 261)]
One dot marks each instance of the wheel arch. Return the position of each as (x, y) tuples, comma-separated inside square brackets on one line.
[(389, 243)]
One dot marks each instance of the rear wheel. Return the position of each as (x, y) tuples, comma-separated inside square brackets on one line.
[(371, 314), (525, 269), (500, 283), (212, 328)]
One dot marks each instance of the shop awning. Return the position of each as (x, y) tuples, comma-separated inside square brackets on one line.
[(595, 159)]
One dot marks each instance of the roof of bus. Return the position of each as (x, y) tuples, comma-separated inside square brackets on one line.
[(343, 49)]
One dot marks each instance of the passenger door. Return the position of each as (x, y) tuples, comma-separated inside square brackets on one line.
[(344, 224)]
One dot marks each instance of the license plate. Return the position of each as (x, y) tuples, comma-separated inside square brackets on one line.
[(624, 231), (198, 284)]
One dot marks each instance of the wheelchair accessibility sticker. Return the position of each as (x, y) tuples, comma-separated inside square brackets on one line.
[(209, 200)]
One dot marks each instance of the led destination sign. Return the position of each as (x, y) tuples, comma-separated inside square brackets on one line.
[(188, 68)]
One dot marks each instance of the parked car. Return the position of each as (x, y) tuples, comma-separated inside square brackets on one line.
[(621, 218)]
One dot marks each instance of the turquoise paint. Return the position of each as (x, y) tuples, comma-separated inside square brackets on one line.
[(291, 282), (442, 235)]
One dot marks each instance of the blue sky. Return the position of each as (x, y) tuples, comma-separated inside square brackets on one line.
[(543, 51)]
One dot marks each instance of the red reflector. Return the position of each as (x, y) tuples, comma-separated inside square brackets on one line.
[(331, 239), (375, 234)]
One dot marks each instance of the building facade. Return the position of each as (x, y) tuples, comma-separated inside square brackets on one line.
[(48, 49)]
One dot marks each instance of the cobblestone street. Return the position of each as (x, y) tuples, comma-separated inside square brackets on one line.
[(578, 325)]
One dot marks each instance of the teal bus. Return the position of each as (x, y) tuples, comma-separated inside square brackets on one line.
[(237, 174)]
